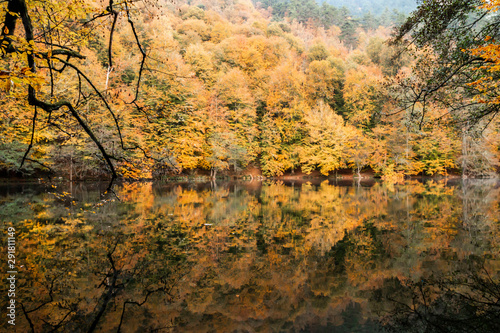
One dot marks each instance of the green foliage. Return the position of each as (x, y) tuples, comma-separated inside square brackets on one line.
[(193, 12), (390, 58), (377, 7), (317, 52), (335, 13), (348, 33)]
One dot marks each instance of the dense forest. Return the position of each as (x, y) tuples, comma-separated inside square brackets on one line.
[(327, 15), (376, 7), (154, 88)]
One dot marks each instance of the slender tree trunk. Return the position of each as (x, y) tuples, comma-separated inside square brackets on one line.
[(110, 69), (407, 150), (464, 153)]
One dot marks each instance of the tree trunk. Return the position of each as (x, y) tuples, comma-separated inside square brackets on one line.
[(464, 153)]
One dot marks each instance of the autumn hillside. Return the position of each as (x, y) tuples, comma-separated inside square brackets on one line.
[(226, 86)]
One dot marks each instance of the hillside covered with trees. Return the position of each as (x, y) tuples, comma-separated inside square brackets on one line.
[(152, 89), (376, 7)]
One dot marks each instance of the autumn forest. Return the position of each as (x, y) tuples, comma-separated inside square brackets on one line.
[(250, 166), (232, 87)]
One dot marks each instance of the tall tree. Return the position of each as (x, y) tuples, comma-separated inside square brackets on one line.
[(348, 34), (41, 41), (450, 35)]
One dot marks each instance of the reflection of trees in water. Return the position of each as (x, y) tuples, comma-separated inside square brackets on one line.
[(466, 301), (457, 292), (478, 213), (94, 284), (237, 257)]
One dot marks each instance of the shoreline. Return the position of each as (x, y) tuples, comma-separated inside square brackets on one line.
[(243, 178)]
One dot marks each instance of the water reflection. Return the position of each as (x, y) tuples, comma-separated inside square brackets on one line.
[(247, 257)]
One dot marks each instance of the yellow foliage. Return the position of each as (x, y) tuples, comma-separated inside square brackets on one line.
[(361, 92), (327, 137), (490, 53)]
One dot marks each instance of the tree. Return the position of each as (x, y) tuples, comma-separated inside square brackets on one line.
[(231, 123), (348, 34), (377, 7), (362, 95), (480, 151), (43, 42), (303, 10), (323, 81), (317, 52), (453, 68), (489, 53), (280, 125), (389, 57), (359, 150), (326, 142), (369, 22), (330, 15)]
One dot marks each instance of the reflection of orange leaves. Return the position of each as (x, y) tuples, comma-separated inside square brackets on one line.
[(268, 257), (139, 193), (359, 261), (188, 197)]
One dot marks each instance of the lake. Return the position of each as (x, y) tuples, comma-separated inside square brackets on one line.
[(273, 256)]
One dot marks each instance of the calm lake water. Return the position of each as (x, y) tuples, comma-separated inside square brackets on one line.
[(254, 257)]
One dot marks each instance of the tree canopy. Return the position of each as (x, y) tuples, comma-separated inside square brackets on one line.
[(377, 7), (455, 43), (41, 46), (152, 89)]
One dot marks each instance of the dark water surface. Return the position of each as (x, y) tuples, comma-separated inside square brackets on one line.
[(254, 257)]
